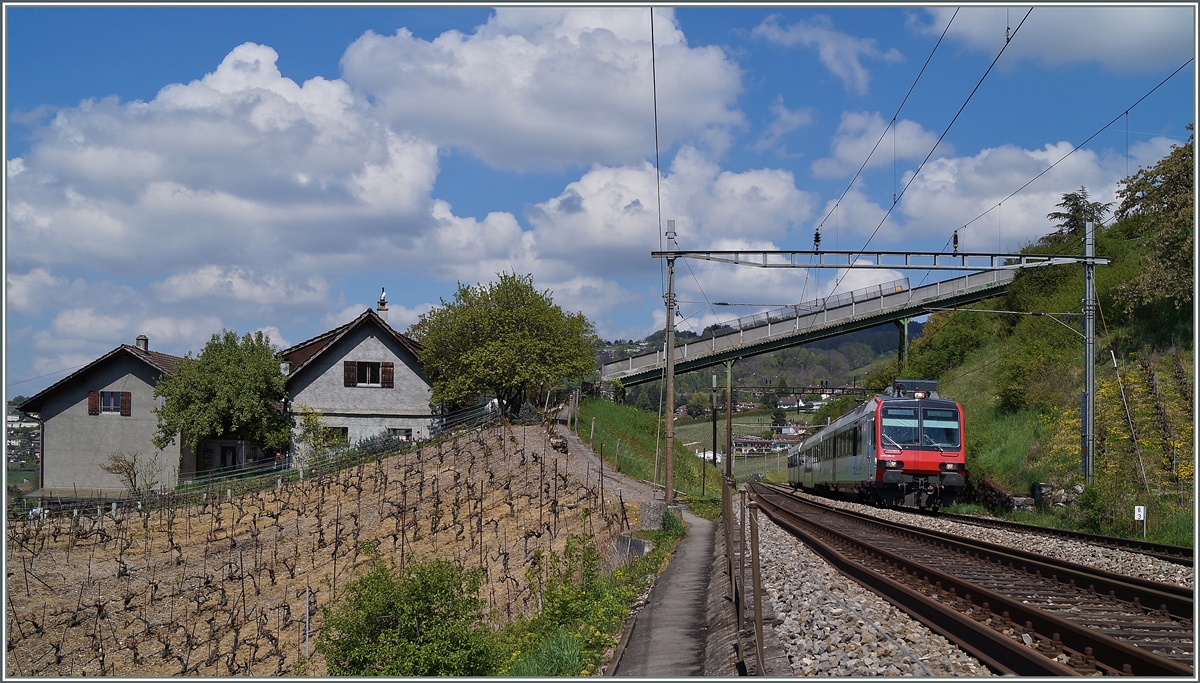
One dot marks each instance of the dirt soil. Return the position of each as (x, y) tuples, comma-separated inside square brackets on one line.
[(219, 588)]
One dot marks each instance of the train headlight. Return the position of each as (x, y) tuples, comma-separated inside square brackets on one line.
[(920, 395), (952, 466), (891, 464)]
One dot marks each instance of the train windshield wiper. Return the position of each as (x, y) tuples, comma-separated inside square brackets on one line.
[(889, 438), (934, 444)]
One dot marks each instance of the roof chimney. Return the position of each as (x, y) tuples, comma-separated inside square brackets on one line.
[(143, 342), (383, 304)]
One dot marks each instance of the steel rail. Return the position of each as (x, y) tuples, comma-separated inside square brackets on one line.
[(1110, 654), (1176, 554), (996, 651), (1177, 599)]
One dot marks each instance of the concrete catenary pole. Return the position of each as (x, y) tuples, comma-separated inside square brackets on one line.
[(669, 390), (729, 419), (1088, 455)]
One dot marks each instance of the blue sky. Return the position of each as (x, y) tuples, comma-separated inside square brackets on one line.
[(172, 171)]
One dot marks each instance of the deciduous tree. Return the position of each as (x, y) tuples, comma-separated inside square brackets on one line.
[(1164, 197), (502, 338), (233, 389), (699, 403)]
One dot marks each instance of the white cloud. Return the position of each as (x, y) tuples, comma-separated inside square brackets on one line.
[(848, 223), (785, 121), (14, 167), (1132, 38), (214, 282), (86, 323), (276, 337), (607, 221), (28, 293), (338, 318), (177, 333), (839, 52), (243, 166), (592, 296), (859, 133), (544, 87), (952, 191)]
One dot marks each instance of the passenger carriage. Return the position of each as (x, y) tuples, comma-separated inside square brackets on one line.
[(903, 447)]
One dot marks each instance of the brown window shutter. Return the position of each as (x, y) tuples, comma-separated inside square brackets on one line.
[(387, 375), (126, 403), (93, 403), (350, 373)]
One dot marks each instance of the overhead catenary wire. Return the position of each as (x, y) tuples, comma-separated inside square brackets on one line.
[(944, 133), (894, 117), (657, 164), (1080, 145), (838, 280)]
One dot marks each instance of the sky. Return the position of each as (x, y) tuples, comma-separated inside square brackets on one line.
[(174, 171)]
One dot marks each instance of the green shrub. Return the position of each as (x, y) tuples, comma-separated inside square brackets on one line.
[(420, 620)]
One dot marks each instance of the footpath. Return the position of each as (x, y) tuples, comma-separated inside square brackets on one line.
[(668, 635), (688, 626)]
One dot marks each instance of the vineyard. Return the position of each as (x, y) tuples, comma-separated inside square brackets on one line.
[(234, 585)]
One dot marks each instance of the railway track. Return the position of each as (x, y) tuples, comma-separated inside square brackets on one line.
[(1170, 553), (1017, 612)]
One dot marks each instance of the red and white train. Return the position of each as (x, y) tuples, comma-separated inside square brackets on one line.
[(904, 447)]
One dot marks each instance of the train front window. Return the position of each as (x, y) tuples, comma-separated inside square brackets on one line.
[(899, 427), (941, 427)]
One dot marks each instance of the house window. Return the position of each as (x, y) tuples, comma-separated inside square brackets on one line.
[(109, 402), (337, 434), (368, 373), (405, 434)]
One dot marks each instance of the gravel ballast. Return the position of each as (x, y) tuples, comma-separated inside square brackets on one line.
[(831, 626)]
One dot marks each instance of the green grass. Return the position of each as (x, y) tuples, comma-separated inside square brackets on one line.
[(639, 433), (17, 472), (708, 507), (998, 443)]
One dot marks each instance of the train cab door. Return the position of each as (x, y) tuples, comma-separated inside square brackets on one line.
[(868, 445)]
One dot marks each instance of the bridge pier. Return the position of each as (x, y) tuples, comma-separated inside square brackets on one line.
[(902, 351)]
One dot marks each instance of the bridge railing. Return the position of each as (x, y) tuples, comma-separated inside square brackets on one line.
[(762, 326), (797, 310)]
